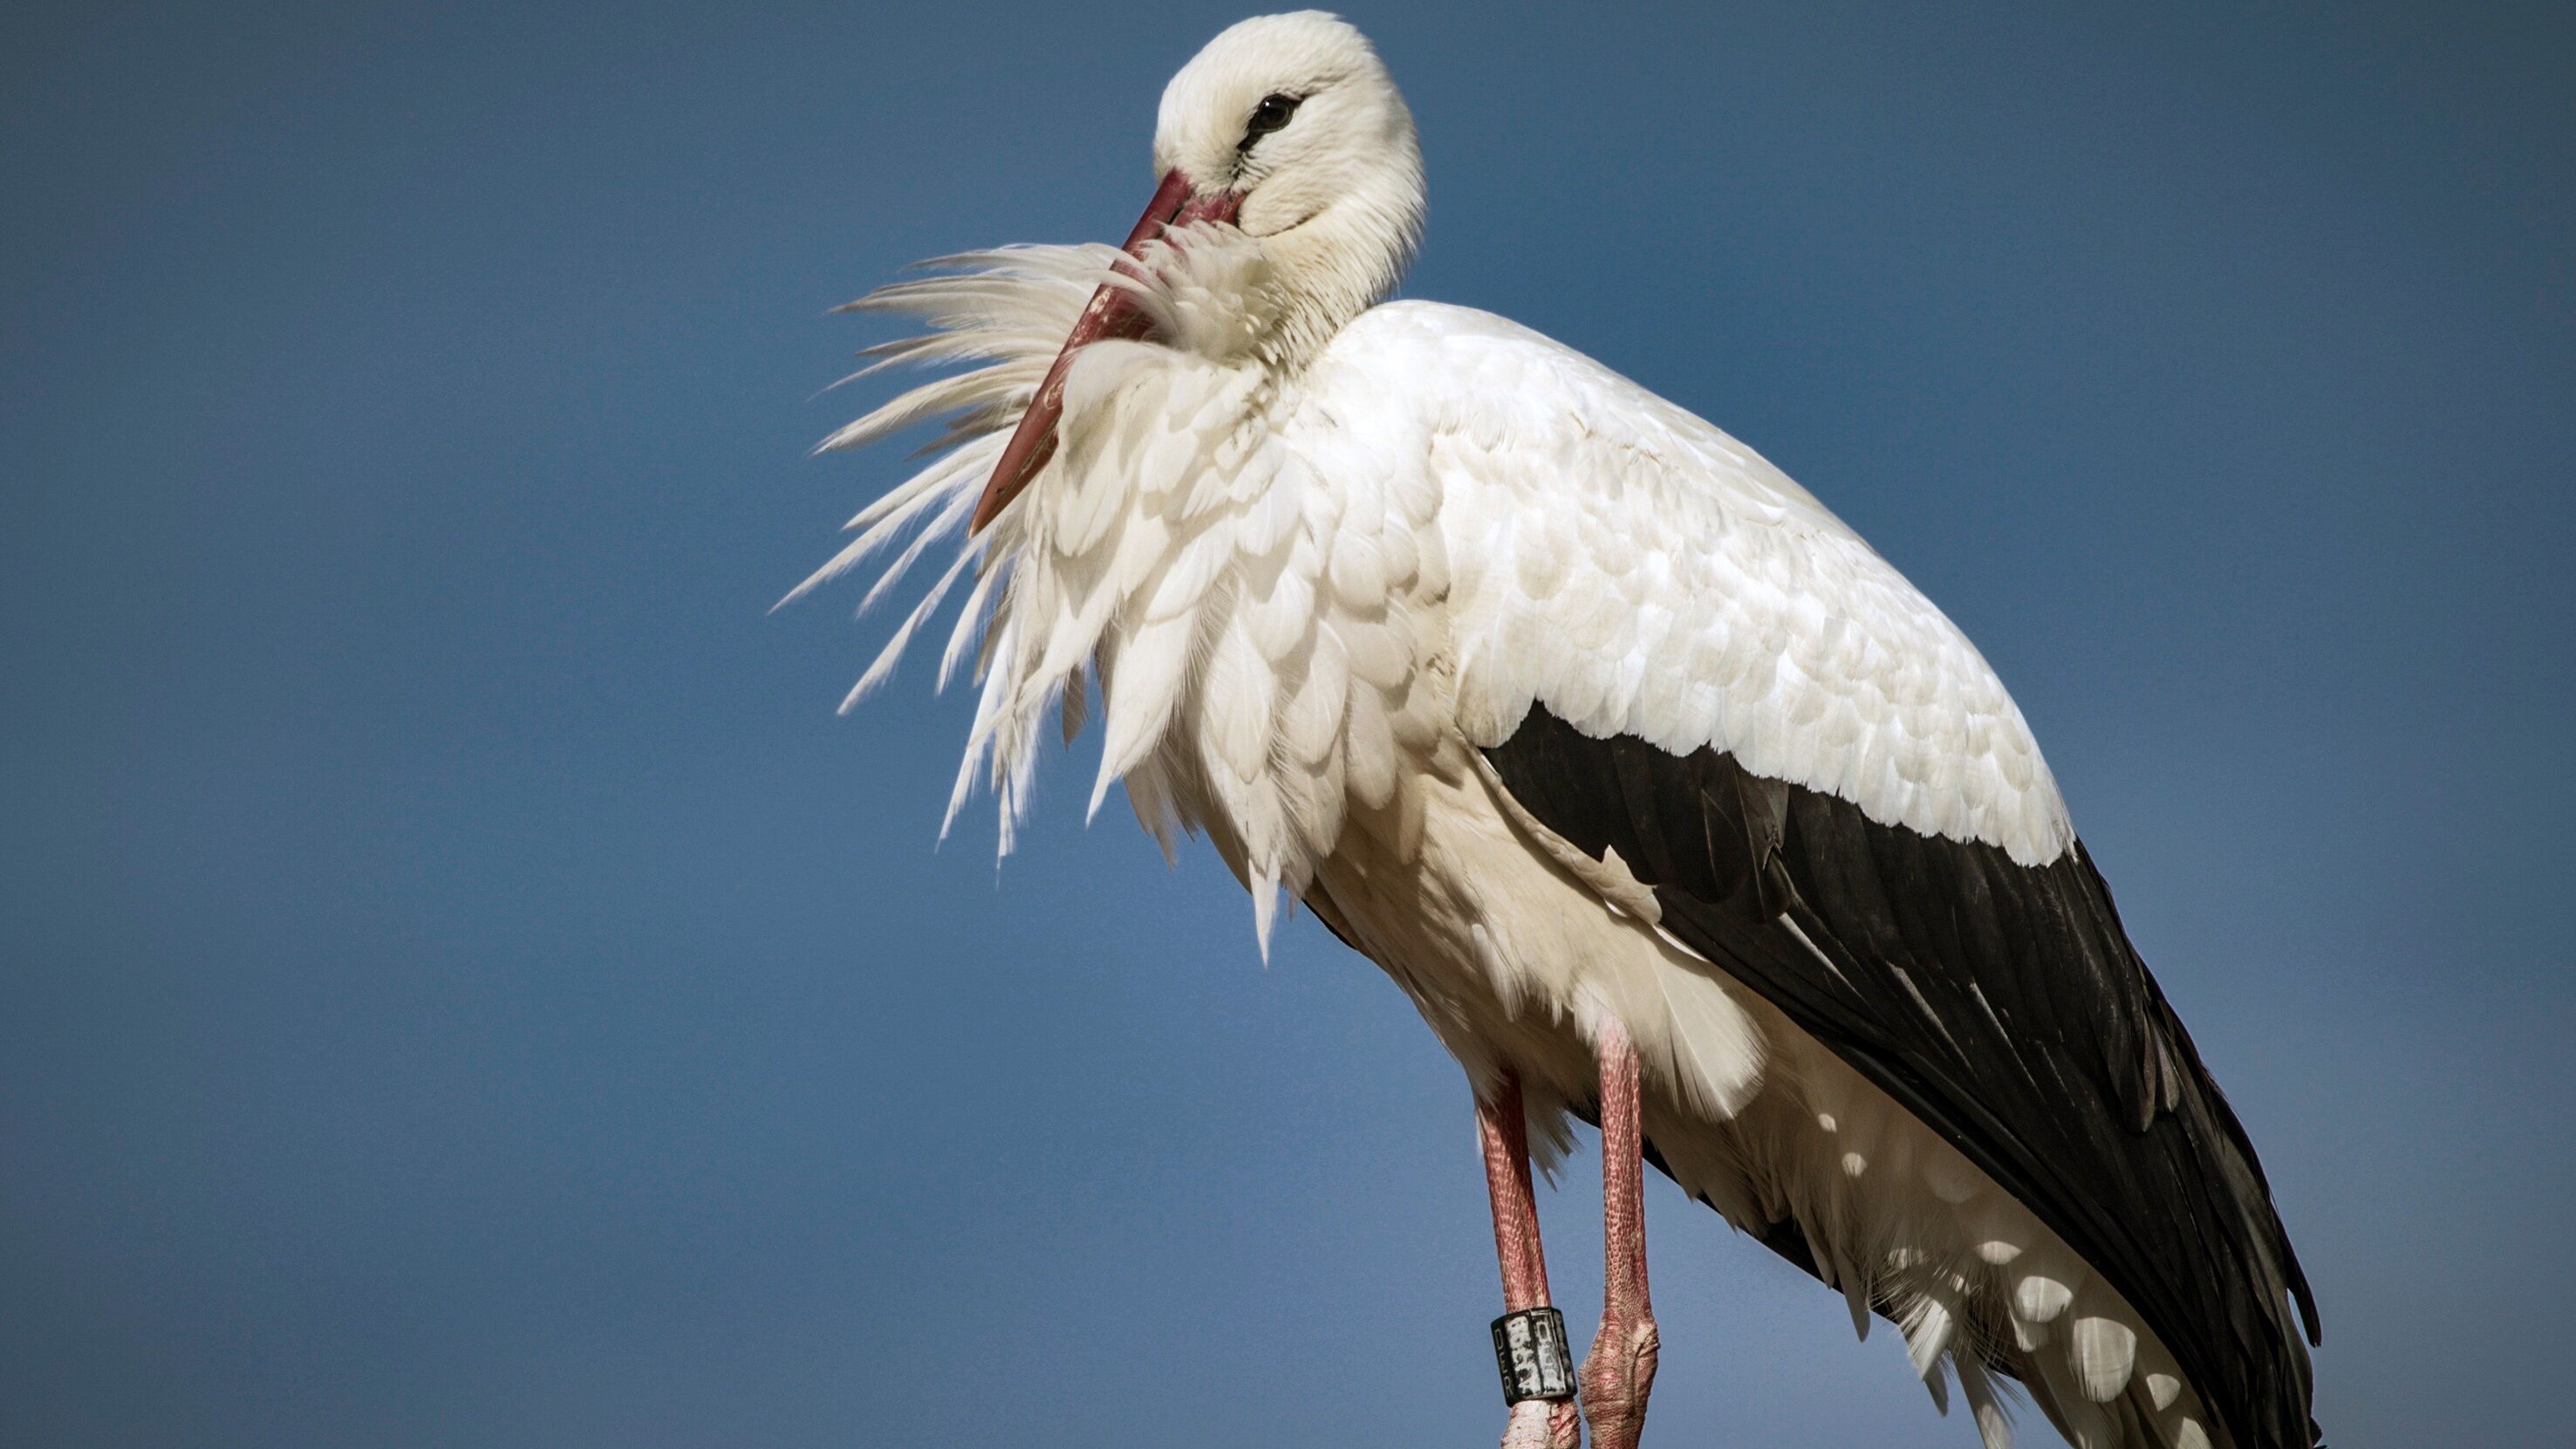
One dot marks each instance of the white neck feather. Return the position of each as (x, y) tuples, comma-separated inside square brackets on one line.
[(1344, 259)]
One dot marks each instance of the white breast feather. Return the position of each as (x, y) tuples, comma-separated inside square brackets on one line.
[(1241, 577)]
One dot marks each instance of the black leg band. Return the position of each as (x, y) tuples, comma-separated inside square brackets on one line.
[(1530, 1349)]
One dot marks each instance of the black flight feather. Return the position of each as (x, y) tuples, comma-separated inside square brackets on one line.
[(2001, 1004)]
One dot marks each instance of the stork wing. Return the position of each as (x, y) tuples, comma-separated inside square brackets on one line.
[(1668, 649), (1998, 1002)]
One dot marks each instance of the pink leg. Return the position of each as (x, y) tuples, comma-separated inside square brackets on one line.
[(1621, 1367), (1535, 1423)]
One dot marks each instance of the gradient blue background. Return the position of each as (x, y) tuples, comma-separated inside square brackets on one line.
[(460, 984)]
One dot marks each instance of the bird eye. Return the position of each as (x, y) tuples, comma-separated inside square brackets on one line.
[(1273, 113)]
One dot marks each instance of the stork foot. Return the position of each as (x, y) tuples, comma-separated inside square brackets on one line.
[(1543, 1424), (1616, 1379), (1536, 1423)]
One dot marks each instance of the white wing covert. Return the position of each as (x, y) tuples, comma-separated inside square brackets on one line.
[(1637, 571)]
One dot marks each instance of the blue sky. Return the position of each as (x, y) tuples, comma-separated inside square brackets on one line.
[(460, 983)]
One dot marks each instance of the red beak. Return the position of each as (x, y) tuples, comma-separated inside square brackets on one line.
[(1112, 312)]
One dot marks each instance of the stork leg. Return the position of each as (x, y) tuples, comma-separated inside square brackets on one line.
[(1621, 1368), (1504, 1131)]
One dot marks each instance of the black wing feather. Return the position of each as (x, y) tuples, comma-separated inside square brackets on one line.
[(2000, 1003)]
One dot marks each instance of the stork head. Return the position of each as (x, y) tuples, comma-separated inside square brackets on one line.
[(1290, 128), (1292, 122)]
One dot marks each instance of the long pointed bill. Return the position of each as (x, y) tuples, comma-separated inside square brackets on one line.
[(1112, 312)]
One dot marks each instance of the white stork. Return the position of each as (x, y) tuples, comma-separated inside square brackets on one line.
[(1670, 804)]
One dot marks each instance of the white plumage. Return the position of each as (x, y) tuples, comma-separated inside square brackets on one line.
[(1316, 552), (1619, 560)]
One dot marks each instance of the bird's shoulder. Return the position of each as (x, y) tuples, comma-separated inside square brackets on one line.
[(1485, 386)]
